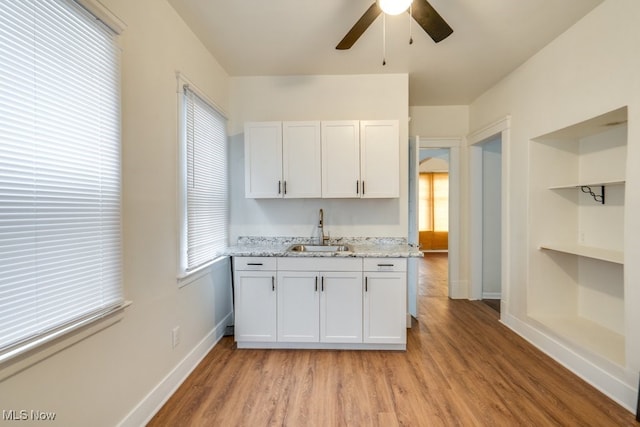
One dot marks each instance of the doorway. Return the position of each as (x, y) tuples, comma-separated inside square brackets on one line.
[(433, 199), (449, 149), (492, 221), (489, 219)]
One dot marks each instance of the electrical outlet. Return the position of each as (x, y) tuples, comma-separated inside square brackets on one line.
[(175, 336)]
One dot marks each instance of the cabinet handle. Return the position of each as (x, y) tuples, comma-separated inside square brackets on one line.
[(254, 263), (366, 284), (316, 283), (385, 265), (363, 187), (357, 187), (322, 283), (279, 187), (285, 187), (273, 283)]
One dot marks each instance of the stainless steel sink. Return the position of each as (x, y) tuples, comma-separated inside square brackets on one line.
[(319, 248)]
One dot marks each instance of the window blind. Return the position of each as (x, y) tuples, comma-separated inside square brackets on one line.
[(60, 255), (206, 181)]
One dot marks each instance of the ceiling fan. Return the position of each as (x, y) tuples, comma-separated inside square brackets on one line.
[(424, 14)]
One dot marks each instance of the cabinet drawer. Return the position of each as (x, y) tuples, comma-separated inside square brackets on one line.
[(254, 263), (385, 264), (319, 264)]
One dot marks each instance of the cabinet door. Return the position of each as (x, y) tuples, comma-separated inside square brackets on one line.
[(380, 158), (341, 307), (298, 306), (263, 159), (255, 306), (385, 307), (340, 159), (301, 160)]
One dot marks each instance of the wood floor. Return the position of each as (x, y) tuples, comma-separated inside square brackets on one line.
[(462, 368)]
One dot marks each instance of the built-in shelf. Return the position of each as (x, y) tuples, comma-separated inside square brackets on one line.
[(588, 335), (576, 294), (608, 255), (587, 184)]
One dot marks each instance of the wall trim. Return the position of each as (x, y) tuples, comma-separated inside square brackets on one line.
[(615, 388), (459, 289), (489, 130), (152, 402), (491, 295)]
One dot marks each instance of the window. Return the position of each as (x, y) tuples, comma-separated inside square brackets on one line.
[(433, 210), (60, 255), (204, 182)]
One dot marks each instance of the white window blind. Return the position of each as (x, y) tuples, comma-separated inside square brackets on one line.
[(206, 181), (60, 255)]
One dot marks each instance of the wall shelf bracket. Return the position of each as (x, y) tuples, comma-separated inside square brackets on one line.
[(597, 197)]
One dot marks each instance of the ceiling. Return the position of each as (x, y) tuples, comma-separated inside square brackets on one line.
[(295, 37)]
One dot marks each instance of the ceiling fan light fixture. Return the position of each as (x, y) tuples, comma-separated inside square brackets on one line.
[(394, 7)]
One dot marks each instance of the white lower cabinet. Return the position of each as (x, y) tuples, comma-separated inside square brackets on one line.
[(320, 303), (255, 299), (385, 299), (341, 307), (298, 306), (320, 300)]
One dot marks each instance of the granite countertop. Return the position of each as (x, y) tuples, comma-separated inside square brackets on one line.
[(362, 247)]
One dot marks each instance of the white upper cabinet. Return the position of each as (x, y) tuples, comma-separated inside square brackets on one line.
[(263, 159), (282, 159), (361, 159), (379, 159), (341, 159), (301, 160), (334, 159)]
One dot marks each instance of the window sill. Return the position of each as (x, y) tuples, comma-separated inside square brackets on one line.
[(192, 276), (35, 351)]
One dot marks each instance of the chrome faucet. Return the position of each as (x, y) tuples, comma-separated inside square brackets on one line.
[(323, 239)]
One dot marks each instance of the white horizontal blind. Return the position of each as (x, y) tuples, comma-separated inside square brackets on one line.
[(207, 183), (60, 255)]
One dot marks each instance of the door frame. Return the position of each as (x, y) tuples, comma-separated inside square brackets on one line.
[(501, 129), (457, 287)]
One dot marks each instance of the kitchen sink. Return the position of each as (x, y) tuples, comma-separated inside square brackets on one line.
[(319, 248)]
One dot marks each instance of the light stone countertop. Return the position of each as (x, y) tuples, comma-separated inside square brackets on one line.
[(362, 247)]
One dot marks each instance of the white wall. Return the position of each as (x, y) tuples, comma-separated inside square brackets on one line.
[(352, 97), (98, 381), (439, 121), (590, 69)]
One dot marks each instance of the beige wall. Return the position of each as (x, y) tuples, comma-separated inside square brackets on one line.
[(98, 381), (353, 97)]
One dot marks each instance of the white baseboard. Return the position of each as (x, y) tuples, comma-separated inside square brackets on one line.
[(491, 295), (152, 402), (615, 388), (459, 290)]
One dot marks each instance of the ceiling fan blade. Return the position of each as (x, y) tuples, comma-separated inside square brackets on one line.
[(360, 27), (427, 17)]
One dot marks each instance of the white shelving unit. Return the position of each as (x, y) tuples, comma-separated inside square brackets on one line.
[(576, 287), (587, 184), (616, 257)]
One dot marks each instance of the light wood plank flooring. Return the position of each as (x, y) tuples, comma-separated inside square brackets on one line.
[(462, 368)]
